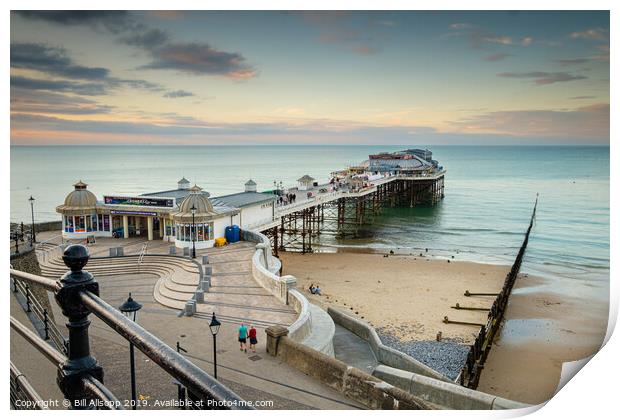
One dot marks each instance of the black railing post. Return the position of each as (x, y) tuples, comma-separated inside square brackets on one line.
[(14, 285), (46, 324), (180, 387), (28, 309), (80, 362)]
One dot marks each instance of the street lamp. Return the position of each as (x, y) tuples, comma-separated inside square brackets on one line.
[(33, 237), (130, 309), (193, 210), (214, 325)]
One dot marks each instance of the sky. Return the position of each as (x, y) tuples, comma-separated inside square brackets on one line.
[(337, 77)]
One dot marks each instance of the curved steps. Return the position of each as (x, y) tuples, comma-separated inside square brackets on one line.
[(178, 277)]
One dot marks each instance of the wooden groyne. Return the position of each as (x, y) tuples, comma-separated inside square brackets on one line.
[(479, 351)]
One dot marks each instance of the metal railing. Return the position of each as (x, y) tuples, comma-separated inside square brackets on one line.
[(77, 293), (92, 387), (23, 395), (50, 330)]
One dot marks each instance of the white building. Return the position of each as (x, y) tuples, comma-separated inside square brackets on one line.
[(305, 183), (165, 215)]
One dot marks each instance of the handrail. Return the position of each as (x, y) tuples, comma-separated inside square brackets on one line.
[(24, 386), (44, 282), (198, 381), (99, 391), (38, 343), (95, 388), (33, 305)]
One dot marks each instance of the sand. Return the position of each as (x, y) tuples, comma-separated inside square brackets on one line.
[(409, 296), (525, 363), (406, 296)]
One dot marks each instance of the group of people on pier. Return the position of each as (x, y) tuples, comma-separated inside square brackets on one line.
[(288, 198)]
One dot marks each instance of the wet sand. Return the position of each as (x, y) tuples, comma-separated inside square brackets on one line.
[(409, 296), (540, 332)]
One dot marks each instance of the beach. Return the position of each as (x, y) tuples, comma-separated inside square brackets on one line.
[(541, 331), (407, 297)]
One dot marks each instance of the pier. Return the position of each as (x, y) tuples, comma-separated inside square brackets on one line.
[(341, 213), (292, 217)]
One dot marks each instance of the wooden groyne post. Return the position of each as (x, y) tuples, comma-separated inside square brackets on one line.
[(479, 351)]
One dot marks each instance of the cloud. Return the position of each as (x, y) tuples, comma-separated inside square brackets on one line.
[(590, 122), (594, 34), (176, 125), (200, 58), (583, 97), (496, 57), (87, 89), (503, 40), (459, 26), (178, 94), (56, 62), (167, 14), (192, 57), (543, 78), (41, 102), (386, 22), (365, 50), (148, 39), (52, 60), (572, 61), (527, 41), (113, 20), (340, 28), (98, 88)]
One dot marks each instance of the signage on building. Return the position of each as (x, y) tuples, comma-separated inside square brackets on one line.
[(139, 201), (134, 213)]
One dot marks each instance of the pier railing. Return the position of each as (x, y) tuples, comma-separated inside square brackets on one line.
[(80, 377), (479, 351)]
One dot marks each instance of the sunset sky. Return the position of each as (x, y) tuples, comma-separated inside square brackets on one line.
[(309, 77)]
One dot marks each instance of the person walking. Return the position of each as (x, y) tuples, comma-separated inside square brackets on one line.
[(243, 335), (253, 340)]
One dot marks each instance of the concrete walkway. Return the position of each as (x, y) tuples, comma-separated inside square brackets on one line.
[(235, 297), (353, 351)]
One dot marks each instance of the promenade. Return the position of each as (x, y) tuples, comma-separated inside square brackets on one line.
[(234, 297)]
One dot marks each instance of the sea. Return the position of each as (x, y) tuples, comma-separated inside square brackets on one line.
[(489, 196)]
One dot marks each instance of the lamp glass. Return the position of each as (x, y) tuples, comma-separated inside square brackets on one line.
[(214, 325), (130, 308)]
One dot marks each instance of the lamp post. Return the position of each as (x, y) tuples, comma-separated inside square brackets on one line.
[(193, 210), (214, 325), (33, 237), (130, 309)]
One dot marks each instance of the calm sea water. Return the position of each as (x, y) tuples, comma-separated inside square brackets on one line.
[(489, 191)]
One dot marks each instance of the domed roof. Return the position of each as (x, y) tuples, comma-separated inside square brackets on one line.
[(78, 199), (197, 200)]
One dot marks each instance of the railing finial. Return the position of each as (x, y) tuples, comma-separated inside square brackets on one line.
[(75, 257)]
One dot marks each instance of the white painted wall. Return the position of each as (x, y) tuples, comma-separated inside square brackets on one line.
[(219, 227), (254, 215)]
